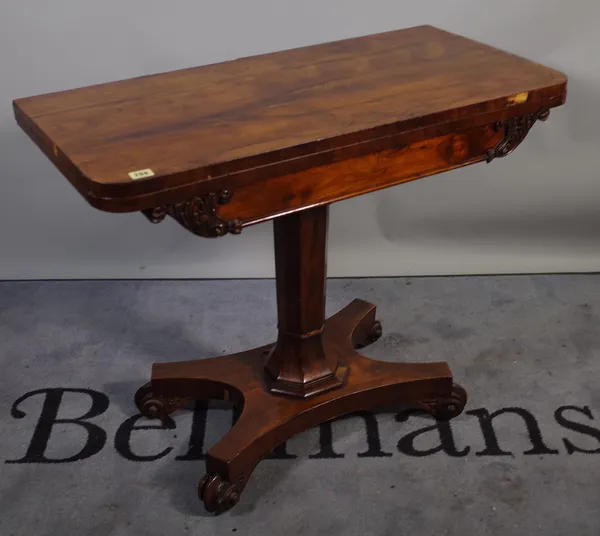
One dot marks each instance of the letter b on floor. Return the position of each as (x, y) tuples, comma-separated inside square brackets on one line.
[(95, 436)]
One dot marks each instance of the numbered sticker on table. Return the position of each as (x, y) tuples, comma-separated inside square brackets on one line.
[(141, 174)]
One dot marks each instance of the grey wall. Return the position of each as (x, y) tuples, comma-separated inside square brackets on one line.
[(536, 211)]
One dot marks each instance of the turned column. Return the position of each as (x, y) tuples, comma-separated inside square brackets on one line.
[(298, 364)]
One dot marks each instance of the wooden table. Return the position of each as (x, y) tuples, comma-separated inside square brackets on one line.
[(281, 136)]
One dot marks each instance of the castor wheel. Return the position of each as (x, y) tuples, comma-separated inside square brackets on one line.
[(373, 335), (218, 495), (153, 406), (444, 409)]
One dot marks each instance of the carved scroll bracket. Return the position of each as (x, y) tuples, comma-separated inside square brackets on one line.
[(515, 131), (198, 215)]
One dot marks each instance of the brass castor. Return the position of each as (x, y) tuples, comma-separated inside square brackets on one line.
[(373, 335), (444, 409), (218, 495), (153, 406)]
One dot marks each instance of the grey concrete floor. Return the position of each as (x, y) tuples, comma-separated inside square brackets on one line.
[(523, 459)]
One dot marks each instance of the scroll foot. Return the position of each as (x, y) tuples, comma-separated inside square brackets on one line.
[(371, 336), (218, 495), (444, 409), (155, 406)]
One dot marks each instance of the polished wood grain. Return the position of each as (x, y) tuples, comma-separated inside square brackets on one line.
[(311, 374), (267, 421), (283, 136), (258, 202), (298, 364), (221, 126)]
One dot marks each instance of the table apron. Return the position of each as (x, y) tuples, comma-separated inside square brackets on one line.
[(261, 201)]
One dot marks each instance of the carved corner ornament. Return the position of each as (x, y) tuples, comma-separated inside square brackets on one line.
[(198, 215), (515, 131)]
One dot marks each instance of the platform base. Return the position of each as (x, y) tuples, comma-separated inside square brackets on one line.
[(269, 419)]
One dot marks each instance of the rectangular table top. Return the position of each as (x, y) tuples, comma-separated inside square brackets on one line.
[(136, 138)]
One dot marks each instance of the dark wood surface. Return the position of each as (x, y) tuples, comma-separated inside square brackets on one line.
[(282, 136), (226, 125), (298, 364), (268, 420), (255, 202)]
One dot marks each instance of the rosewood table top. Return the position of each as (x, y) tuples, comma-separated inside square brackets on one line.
[(139, 143)]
